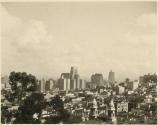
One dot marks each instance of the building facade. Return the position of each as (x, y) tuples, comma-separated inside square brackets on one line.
[(120, 90), (121, 107), (97, 79), (41, 85), (49, 85), (71, 81), (133, 85), (64, 84), (111, 77)]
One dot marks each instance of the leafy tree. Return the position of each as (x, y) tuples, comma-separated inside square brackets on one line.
[(150, 78), (5, 115), (53, 120), (67, 100), (89, 98), (72, 119), (62, 114), (63, 117), (57, 103), (127, 80), (32, 104), (29, 104), (21, 83), (10, 96), (3, 92)]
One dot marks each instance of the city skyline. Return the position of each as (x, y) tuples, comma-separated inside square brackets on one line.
[(106, 78), (94, 37)]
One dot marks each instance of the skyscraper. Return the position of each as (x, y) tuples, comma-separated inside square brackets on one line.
[(71, 80), (64, 81), (49, 85), (64, 84), (41, 85), (111, 77), (75, 78), (82, 84), (73, 73), (97, 79)]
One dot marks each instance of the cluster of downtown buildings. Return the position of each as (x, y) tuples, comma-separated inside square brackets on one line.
[(72, 81), (112, 102)]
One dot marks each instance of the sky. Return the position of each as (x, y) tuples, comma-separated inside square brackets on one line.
[(46, 39)]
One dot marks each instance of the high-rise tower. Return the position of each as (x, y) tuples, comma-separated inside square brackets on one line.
[(111, 77), (73, 73), (97, 79)]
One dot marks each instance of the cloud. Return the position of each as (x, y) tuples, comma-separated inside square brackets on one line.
[(139, 45), (10, 32), (142, 32), (147, 20), (147, 40), (34, 38), (29, 45), (24, 43), (10, 24)]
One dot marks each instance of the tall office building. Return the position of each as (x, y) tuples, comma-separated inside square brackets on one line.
[(65, 76), (64, 81), (73, 73), (82, 84), (64, 84), (77, 83), (75, 78), (97, 79), (49, 85), (111, 77), (71, 81), (41, 85), (72, 84)]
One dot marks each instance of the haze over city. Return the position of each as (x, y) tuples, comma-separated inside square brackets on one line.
[(79, 62), (46, 39)]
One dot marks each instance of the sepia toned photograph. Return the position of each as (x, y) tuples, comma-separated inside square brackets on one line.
[(79, 62)]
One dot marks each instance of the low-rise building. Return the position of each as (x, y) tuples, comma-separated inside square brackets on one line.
[(121, 107), (132, 85), (120, 90)]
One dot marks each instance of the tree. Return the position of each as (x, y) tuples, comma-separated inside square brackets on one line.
[(67, 100), (21, 82), (32, 104), (5, 115), (150, 78), (62, 114), (127, 80), (63, 117), (57, 103)]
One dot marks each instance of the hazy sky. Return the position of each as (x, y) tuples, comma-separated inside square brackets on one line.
[(46, 39)]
